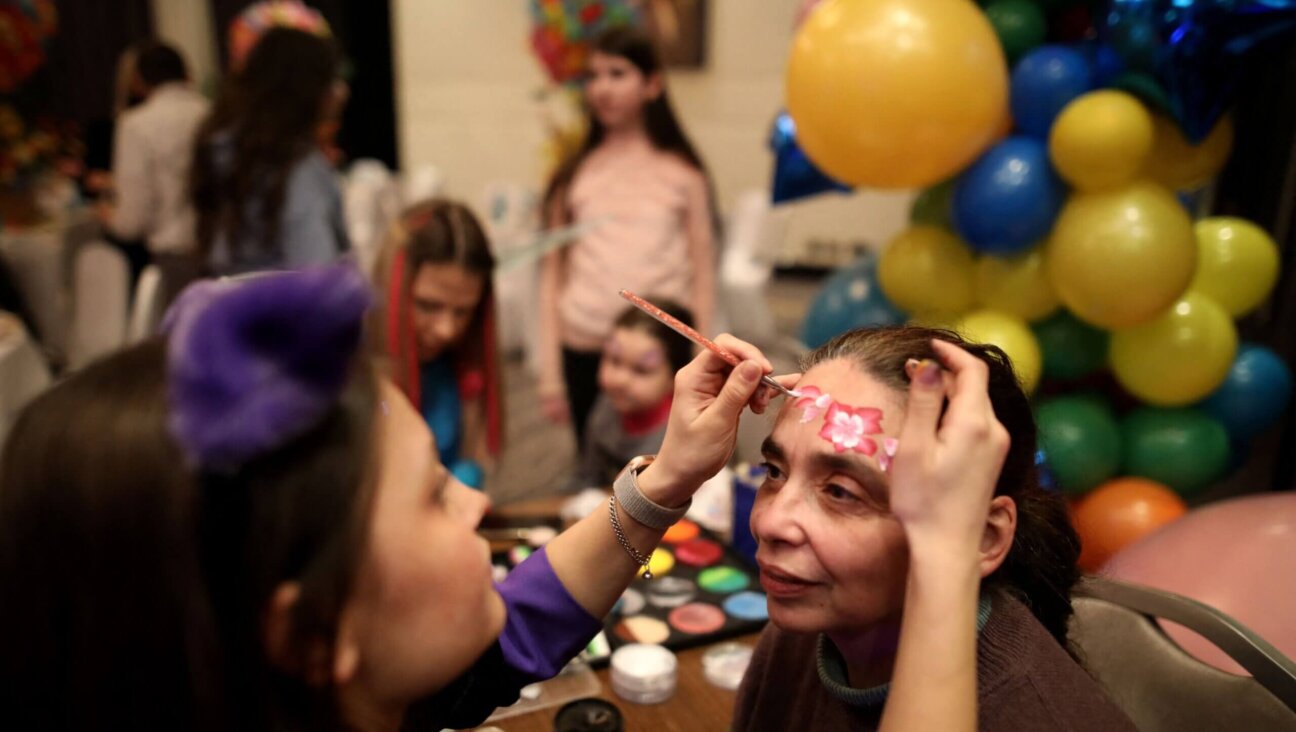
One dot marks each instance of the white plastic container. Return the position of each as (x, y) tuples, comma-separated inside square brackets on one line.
[(644, 674)]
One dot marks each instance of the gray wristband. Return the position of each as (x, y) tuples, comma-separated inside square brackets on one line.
[(636, 505)]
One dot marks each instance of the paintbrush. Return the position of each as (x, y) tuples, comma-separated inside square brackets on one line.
[(674, 324)]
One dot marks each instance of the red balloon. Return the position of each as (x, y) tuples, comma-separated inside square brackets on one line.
[(1238, 556), (1119, 513)]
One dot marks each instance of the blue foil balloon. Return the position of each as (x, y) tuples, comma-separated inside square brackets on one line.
[(794, 175), (850, 298), (1196, 50), (1253, 395), (1007, 200), (1045, 81)]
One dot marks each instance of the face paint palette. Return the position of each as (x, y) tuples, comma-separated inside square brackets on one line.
[(706, 594)]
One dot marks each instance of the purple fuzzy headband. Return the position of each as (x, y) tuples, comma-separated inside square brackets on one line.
[(252, 364)]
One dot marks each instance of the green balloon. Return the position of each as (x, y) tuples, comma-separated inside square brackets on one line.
[(1019, 24), (1081, 441), (1183, 448), (1071, 349), (932, 206)]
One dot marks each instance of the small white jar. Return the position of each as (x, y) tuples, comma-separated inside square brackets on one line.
[(644, 674)]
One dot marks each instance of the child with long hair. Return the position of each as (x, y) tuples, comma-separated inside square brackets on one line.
[(437, 324), (642, 186), (264, 194)]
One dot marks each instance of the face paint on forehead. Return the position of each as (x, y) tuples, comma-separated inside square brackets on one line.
[(652, 359), (846, 427)]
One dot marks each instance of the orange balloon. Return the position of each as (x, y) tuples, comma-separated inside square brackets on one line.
[(1120, 512)]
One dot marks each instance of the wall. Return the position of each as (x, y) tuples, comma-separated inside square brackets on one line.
[(466, 103), (187, 25)]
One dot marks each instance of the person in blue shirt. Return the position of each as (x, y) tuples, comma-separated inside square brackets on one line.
[(439, 331)]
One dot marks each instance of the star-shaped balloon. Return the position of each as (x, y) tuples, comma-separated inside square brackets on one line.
[(1197, 50), (794, 175)]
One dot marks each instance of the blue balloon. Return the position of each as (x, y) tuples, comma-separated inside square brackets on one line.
[(1007, 200), (850, 298), (1197, 51), (794, 175), (1253, 395), (1045, 81)]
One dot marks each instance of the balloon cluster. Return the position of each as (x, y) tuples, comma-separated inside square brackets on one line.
[(26, 27), (246, 29), (1057, 236), (561, 31)]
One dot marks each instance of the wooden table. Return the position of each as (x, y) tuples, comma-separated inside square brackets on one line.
[(697, 705)]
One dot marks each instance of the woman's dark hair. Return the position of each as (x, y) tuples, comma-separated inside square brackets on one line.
[(1040, 568), (264, 121), (679, 350), (134, 590), (660, 122)]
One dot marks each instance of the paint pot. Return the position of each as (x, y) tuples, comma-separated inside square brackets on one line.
[(588, 715), (725, 664), (671, 592), (723, 580), (699, 553), (643, 673), (631, 602), (660, 563), (747, 606), (642, 629), (682, 531), (696, 618)]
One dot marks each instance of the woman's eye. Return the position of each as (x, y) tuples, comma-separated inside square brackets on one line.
[(772, 471), (838, 493)]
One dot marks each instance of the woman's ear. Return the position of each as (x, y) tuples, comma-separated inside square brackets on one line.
[(1000, 527), (277, 630), (346, 651)]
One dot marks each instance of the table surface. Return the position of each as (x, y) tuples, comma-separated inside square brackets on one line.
[(697, 704)]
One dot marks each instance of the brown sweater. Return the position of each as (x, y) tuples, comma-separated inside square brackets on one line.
[(1025, 681)]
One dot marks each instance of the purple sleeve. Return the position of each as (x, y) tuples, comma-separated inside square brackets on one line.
[(545, 628)]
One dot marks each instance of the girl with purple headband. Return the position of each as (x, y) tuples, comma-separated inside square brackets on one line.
[(238, 526)]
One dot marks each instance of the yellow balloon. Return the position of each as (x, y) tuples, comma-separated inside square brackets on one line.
[(1178, 358), (1180, 165), (1237, 264), (1012, 335), (925, 270), (896, 93), (1017, 285), (1119, 258), (1101, 140)]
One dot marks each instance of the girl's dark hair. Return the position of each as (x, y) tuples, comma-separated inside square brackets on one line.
[(269, 110), (440, 231), (660, 122), (134, 590), (679, 350), (1040, 568)]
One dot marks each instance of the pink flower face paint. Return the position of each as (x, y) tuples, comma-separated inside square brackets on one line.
[(812, 403), (844, 426), (847, 428)]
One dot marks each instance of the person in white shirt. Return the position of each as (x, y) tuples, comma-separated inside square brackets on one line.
[(152, 153)]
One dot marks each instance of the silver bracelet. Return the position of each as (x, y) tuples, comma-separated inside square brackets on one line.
[(635, 554), (636, 505)]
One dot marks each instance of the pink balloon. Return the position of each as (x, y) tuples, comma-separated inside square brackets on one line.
[(1238, 556)]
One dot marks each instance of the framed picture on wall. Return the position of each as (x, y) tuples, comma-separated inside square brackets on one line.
[(680, 29)]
